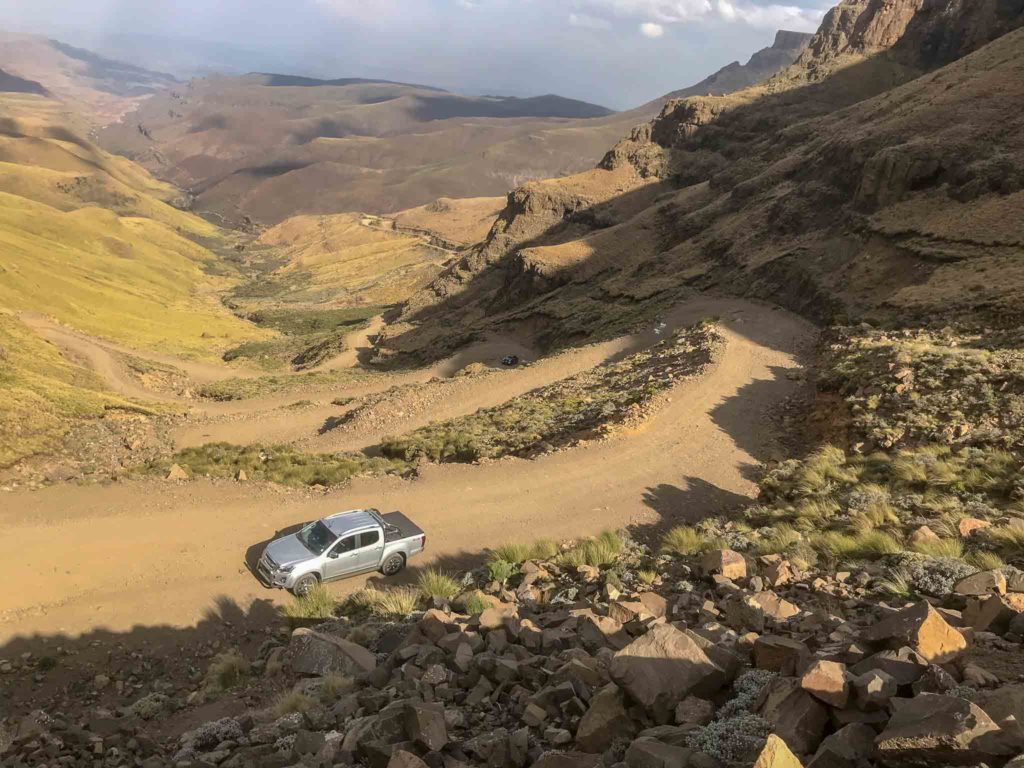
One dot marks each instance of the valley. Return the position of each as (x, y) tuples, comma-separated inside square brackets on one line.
[(712, 410)]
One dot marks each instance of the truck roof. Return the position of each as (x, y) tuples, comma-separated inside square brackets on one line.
[(341, 523)]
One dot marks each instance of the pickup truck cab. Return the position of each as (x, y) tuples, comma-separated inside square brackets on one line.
[(340, 545)]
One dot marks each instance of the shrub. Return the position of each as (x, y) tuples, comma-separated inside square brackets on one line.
[(500, 570), (684, 540), (543, 549), (293, 702), (318, 603), (780, 540), (227, 670), (437, 584), (476, 603)]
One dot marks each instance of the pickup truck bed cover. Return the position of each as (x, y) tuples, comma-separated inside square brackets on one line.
[(399, 527)]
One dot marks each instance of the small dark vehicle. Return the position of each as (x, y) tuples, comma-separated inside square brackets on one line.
[(510, 361)]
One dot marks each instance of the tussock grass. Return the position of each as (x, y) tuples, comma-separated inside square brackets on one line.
[(278, 463), (226, 671), (842, 547), (393, 603), (646, 576), (1010, 541), (779, 541), (435, 583), (335, 685), (544, 549), (293, 702), (513, 553), (985, 561), (898, 583), (476, 603), (603, 550), (318, 603), (685, 540), (952, 548)]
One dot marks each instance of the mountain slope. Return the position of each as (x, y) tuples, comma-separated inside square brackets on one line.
[(95, 87), (269, 146), (840, 188)]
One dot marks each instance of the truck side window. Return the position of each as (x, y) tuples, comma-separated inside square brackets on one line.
[(369, 538), (346, 545)]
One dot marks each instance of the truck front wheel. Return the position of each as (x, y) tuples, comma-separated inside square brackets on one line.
[(392, 565), (304, 584)]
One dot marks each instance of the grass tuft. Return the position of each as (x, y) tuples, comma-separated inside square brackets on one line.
[(226, 671), (476, 604), (684, 540), (603, 550), (318, 603), (952, 548), (293, 702), (434, 583)]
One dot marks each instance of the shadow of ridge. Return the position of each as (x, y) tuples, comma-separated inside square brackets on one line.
[(693, 500), (747, 139)]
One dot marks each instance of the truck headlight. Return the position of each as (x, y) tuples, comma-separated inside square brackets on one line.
[(286, 569)]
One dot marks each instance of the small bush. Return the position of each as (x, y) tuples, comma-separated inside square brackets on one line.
[(437, 584), (952, 548), (544, 549), (226, 671), (684, 540), (293, 702), (476, 604), (500, 570), (318, 603)]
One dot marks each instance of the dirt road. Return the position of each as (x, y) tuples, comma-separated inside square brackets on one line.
[(159, 553)]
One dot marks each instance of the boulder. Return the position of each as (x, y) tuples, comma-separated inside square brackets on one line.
[(794, 714), (775, 754), (425, 724), (780, 654), (1006, 707), (968, 525), (596, 632), (568, 760), (605, 721), (874, 689), (648, 753), (933, 729), (402, 759), (924, 533), (921, 628), (982, 583), (993, 613), (724, 562), (904, 664), (827, 681), (176, 472), (662, 667), (694, 711), (317, 653), (849, 747)]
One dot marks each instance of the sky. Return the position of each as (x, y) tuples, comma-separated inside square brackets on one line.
[(619, 53)]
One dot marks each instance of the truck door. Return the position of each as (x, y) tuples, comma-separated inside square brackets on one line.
[(342, 558), (371, 547)]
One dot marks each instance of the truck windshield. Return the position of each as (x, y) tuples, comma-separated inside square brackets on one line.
[(316, 537)]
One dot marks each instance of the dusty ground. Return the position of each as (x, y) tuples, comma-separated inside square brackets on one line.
[(157, 552)]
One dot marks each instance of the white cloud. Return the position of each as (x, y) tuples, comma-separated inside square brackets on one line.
[(586, 21), (650, 29), (772, 16)]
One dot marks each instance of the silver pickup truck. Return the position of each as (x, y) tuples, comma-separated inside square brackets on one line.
[(341, 545)]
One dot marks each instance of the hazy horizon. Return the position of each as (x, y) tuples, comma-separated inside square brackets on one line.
[(618, 53)]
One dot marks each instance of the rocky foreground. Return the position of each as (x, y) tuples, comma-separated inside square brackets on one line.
[(716, 659)]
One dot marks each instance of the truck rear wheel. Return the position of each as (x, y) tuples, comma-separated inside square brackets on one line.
[(304, 584), (393, 565)]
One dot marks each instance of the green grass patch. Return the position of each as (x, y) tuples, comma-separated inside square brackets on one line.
[(685, 540), (437, 584), (602, 550), (245, 388), (276, 463), (317, 603)]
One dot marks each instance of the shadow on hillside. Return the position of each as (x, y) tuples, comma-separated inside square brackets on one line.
[(769, 150), (686, 504)]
